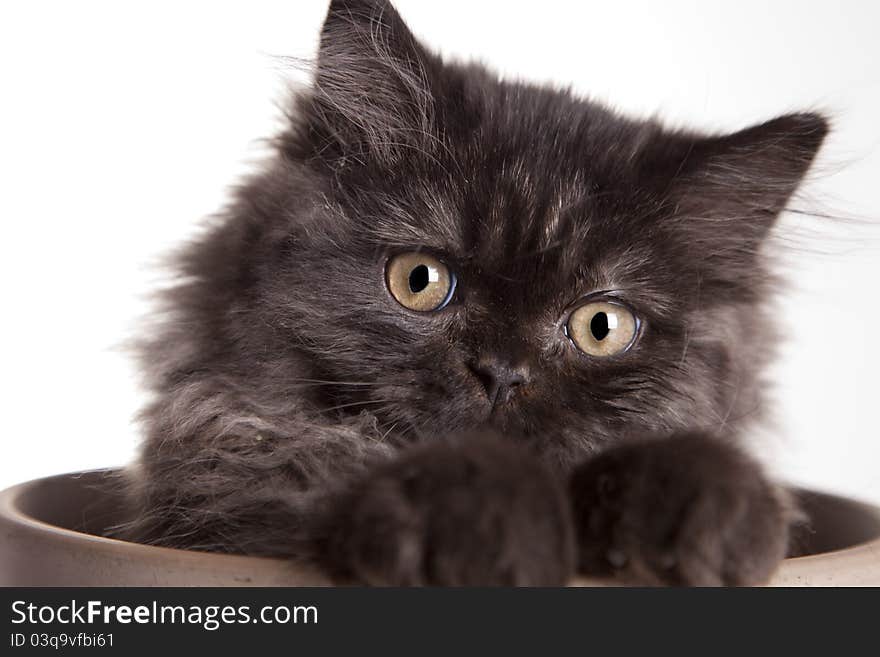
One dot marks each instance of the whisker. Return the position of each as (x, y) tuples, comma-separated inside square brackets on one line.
[(341, 383), (357, 403)]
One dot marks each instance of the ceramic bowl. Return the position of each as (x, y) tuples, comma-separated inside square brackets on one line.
[(51, 536)]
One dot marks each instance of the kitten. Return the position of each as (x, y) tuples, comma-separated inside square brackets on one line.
[(463, 331)]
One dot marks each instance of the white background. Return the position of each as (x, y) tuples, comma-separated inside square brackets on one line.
[(122, 124)]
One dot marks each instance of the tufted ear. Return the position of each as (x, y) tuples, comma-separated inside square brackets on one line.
[(741, 182), (728, 190), (372, 91)]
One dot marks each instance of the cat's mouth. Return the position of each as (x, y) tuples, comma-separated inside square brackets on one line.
[(502, 413)]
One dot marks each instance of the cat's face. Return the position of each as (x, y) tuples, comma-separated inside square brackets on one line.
[(457, 252)]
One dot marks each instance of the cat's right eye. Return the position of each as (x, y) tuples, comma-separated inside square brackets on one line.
[(419, 281)]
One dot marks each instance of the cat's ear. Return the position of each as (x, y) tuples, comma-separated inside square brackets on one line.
[(729, 190), (372, 93)]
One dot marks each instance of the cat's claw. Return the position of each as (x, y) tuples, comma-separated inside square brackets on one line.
[(683, 511), (466, 513)]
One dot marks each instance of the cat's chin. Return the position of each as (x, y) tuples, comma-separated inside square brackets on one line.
[(477, 421)]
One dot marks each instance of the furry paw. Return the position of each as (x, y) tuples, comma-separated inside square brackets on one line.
[(687, 511), (474, 512)]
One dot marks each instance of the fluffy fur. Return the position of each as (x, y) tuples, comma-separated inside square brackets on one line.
[(300, 411)]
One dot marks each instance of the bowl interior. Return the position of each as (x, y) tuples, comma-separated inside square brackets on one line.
[(833, 523), (83, 502)]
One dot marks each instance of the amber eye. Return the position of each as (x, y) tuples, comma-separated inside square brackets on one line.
[(602, 328), (419, 281)]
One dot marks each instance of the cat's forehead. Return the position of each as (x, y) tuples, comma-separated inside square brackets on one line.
[(541, 193), (549, 234)]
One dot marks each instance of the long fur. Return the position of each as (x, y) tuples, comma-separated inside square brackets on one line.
[(281, 370)]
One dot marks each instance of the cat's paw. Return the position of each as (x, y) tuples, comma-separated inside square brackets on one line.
[(685, 511), (466, 513)]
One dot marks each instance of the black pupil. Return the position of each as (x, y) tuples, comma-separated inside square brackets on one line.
[(418, 279), (599, 326)]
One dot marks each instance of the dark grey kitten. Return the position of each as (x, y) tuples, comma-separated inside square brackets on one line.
[(462, 331)]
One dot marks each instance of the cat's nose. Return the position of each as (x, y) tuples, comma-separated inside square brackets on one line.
[(499, 378)]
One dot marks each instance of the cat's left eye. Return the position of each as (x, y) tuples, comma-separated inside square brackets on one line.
[(602, 328)]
